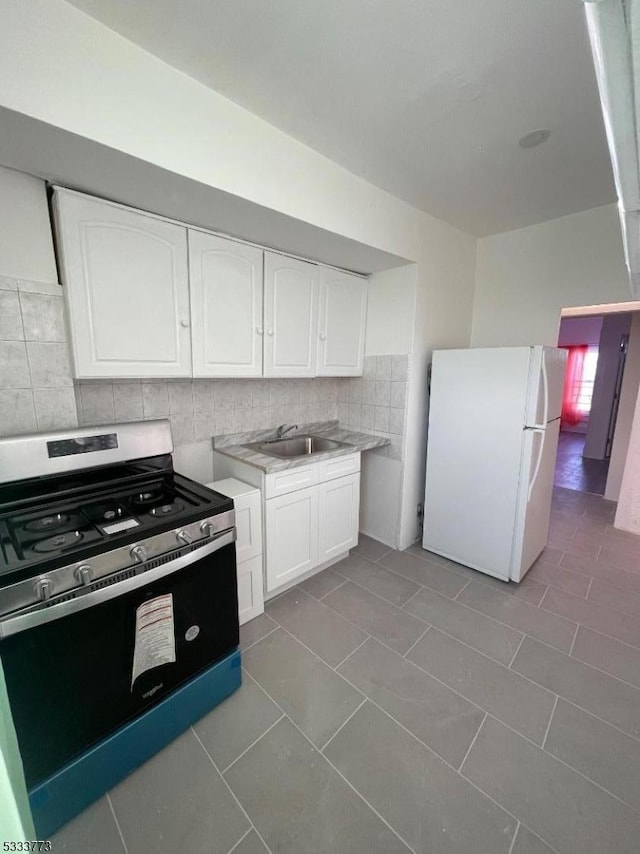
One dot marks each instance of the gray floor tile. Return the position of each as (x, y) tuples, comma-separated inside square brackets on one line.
[(469, 626), (384, 621), (436, 715), (570, 582), (602, 695), (256, 629), (549, 628), (370, 548), (551, 556), (529, 589), (251, 844), (316, 626), (424, 800), (610, 655), (421, 571), (390, 586), (629, 581), (186, 805), (322, 583), (233, 725), (316, 698), (570, 813), (528, 843), (93, 830), (574, 545), (299, 803), (621, 558), (598, 617), (602, 753), (611, 597), (501, 692)]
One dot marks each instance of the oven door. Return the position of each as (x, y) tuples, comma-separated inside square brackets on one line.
[(69, 667)]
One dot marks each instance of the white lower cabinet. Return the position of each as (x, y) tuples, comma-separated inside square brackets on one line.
[(338, 511), (249, 552), (292, 536)]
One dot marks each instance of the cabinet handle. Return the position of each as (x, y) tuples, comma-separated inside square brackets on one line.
[(323, 337), (269, 331), (184, 324), (259, 330)]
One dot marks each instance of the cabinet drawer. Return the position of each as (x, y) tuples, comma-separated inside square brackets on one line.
[(289, 480), (338, 467)]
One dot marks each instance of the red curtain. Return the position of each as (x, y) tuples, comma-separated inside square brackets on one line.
[(572, 383)]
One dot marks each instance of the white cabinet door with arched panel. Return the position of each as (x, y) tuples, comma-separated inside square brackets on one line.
[(341, 328), (126, 284), (290, 316), (226, 306)]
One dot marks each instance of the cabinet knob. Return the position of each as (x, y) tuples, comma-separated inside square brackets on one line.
[(269, 331), (323, 337), (43, 589), (259, 330), (184, 324)]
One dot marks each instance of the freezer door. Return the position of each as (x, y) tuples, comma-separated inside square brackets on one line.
[(539, 452), (474, 452), (546, 381)]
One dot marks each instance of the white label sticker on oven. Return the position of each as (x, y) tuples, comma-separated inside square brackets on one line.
[(155, 635)]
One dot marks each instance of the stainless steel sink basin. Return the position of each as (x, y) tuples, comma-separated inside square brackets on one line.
[(297, 446)]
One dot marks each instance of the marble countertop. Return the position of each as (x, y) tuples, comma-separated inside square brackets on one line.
[(235, 445)]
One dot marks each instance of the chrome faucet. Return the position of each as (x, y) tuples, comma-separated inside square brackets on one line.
[(282, 429)]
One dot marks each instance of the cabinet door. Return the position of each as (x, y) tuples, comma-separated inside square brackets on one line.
[(290, 316), (248, 509), (338, 515), (226, 307), (126, 285), (341, 330), (291, 536), (250, 589)]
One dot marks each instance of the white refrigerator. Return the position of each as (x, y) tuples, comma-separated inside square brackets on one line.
[(494, 420)]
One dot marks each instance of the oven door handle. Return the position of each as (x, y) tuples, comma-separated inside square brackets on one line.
[(22, 622)]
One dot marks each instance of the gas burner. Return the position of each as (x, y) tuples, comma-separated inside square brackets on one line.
[(47, 523), (167, 509), (58, 542), (107, 511), (149, 496)]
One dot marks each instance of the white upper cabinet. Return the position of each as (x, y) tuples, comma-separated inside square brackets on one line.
[(341, 329), (226, 307), (127, 289), (290, 316)]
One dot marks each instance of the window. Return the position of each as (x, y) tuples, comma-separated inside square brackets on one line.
[(579, 380)]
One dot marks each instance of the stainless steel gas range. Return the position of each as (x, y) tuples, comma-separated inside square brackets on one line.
[(118, 605)]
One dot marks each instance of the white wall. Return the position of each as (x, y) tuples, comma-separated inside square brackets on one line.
[(614, 326), (575, 331), (390, 311), (26, 247), (525, 277), (626, 409), (154, 113)]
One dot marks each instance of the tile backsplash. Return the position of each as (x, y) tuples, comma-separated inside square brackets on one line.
[(376, 402), (36, 388), (199, 409)]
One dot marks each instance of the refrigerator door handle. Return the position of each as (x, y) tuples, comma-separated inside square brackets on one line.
[(545, 388), (536, 470)]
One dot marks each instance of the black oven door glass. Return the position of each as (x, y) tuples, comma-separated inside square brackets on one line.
[(69, 681)]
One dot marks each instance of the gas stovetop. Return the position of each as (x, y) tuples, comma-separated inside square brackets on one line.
[(68, 529)]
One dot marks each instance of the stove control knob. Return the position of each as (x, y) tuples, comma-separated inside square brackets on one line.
[(183, 537), (138, 553), (83, 574), (207, 528), (44, 588)]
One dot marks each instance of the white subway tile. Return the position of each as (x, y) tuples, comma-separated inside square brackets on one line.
[(398, 395), (180, 397), (203, 426), (49, 364), (203, 396), (383, 367), (97, 403), (396, 421), (343, 413), (242, 394), (355, 390), (127, 398), (383, 393), (400, 368), (370, 367), (182, 428), (368, 416), (155, 399), (223, 421), (260, 394), (381, 419), (355, 415), (222, 395), (369, 392), (17, 412)]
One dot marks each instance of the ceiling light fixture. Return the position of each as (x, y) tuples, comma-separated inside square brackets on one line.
[(536, 137)]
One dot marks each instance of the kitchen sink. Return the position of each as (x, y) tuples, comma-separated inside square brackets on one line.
[(297, 446)]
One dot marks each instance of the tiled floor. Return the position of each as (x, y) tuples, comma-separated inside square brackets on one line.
[(398, 702), (573, 471)]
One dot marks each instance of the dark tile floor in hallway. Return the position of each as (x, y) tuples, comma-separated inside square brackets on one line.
[(399, 702), (573, 471)]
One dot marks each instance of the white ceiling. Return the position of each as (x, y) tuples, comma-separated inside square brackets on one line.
[(424, 98)]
